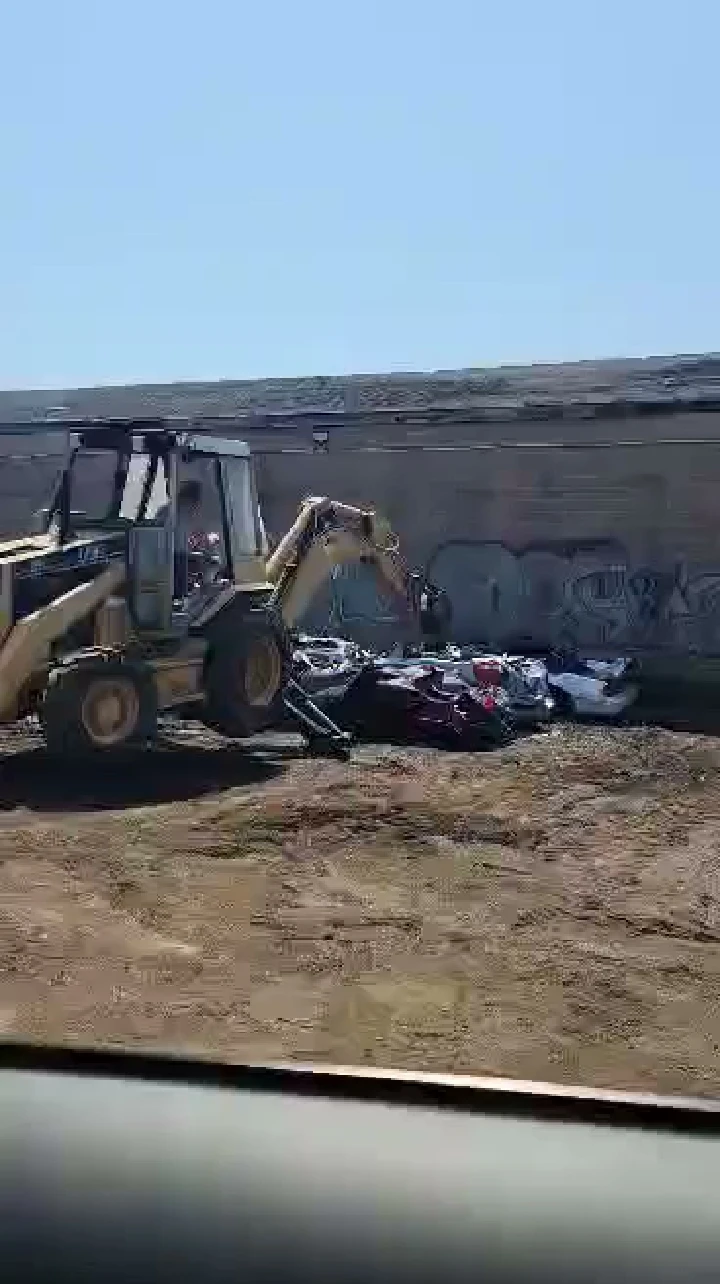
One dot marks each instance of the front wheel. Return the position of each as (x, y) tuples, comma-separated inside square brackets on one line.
[(247, 671)]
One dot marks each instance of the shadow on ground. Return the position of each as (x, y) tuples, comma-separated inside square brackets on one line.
[(163, 774), (679, 706)]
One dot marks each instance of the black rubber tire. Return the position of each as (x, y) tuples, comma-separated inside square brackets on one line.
[(61, 708), (233, 637)]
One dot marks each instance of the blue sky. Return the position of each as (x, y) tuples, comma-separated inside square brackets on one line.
[(215, 189)]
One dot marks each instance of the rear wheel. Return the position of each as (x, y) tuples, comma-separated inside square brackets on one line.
[(96, 708), (248, 667)]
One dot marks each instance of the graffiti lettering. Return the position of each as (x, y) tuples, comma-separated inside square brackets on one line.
[(576, 595), (582, 594)]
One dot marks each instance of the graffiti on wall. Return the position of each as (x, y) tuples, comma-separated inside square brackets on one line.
[(583, 593), (353, 603), (576, 594)]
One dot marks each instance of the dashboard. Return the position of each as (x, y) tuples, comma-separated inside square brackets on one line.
[(136, 1168)]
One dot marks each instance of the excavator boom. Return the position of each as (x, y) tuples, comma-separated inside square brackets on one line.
[(327, 534)]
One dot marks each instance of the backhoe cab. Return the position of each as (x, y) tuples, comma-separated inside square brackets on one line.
[(145, 589)]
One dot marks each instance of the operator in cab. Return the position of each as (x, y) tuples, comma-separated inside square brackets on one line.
[(189, 510)]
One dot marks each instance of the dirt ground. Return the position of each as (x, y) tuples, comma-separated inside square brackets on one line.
[(551, 910)]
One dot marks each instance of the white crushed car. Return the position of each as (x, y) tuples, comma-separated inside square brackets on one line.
[(592, 688)]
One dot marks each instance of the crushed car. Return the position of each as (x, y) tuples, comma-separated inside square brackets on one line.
[(523, 681), (528, 690), (592, 688), (411, 705), (560, 681)]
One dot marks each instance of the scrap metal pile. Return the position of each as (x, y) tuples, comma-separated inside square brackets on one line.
[(464, 698)]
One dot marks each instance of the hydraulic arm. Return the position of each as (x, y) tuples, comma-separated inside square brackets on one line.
[(326, 534)]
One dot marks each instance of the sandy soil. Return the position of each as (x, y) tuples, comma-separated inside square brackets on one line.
[(550, 911)]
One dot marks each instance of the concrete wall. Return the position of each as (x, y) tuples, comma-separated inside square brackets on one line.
[(605, 545), (603, 534)]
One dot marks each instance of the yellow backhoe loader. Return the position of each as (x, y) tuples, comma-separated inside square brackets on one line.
[(116, 611)]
